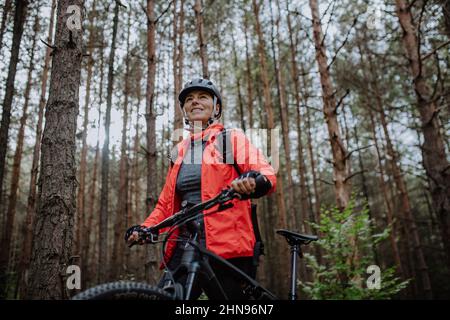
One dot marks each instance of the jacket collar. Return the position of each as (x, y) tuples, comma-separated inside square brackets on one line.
[(207, 133)]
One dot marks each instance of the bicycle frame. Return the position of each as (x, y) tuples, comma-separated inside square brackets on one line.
[(195, 257)]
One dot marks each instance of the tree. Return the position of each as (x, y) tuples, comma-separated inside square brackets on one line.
[(150, 117), (28, 227), (6, 9), (19, 21), (57, 182), (341, 164), (104, 201), (433, 149)]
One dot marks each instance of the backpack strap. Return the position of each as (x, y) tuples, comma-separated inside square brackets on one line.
[(259, 245)]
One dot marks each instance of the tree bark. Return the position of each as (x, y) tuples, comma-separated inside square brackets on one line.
[(301, 160), (6, 9), (341, 164), (52, 241), (104, 201), (28, 227), (433, 150), (81, 198), (248, 73), (201, 38), (15, 175), (446, 14), (122, 196), (19, 21), (178, 31), (240, 99), (150, 117)]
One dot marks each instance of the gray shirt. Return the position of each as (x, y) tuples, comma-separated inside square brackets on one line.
[(188, 185)]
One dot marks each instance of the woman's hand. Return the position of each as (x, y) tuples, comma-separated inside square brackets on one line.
[(132, 236), (244, 185)]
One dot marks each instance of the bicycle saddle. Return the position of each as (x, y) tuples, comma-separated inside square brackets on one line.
[(294, 238)]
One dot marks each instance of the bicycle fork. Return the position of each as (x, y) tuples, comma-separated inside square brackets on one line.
[(295, 250)]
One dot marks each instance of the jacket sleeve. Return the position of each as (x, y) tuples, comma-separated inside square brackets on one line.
[(248, 157), (162, 206)]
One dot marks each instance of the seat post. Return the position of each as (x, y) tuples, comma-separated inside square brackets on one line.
[(295, 250)]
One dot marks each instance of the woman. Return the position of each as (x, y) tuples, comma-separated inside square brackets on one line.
[(198, 172)]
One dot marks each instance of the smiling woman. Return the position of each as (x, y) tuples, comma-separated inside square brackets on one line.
[(199, 106)]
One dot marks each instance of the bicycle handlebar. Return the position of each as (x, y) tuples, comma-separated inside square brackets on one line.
[(148, 234)]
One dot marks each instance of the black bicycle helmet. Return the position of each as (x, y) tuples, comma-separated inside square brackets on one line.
[(200, 84)]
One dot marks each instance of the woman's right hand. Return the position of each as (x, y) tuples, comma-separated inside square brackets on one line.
[(132, 235)]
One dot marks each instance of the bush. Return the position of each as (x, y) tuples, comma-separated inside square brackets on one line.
[(347, 243)]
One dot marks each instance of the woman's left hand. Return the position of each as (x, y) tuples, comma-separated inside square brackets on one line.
[(244, 186)]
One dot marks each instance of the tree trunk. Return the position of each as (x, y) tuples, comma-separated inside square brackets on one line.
[(15, 175), (301, 159), (446, 14), (104, 201), (240, 101), (201, 38), (341, 164), (57, 183), (433, 150), (178, 31), (28, 227), (6, 9), (19, 21), (248, 73), (311, 154), (282, 221), (150, 117), (295, 220), (387, 202), (81, 199), (122, 196)]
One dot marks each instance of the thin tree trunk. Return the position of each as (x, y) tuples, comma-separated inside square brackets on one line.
[(6, 9), (311, 153), (81, 199), (387, 202), (238, 86), (295, 220), (341, 164), (201, 38), (19, 21), (57, 183), (150, 117), (446, 14), (28, 227), (248, 72), (15, 175), (104, 201), (433, 150), (282, 268), (121, 213), (301, 159), (178, 31)]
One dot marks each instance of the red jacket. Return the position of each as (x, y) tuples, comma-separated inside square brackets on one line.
[(228, 233)]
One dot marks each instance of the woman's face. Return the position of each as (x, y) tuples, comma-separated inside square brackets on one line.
[(199, 106)]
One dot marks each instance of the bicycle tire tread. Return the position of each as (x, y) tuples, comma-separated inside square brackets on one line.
[(124, 290)]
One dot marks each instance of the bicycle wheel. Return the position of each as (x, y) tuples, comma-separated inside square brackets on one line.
[(124, 290)]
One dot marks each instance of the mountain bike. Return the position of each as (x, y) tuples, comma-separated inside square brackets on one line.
[(196, 258)]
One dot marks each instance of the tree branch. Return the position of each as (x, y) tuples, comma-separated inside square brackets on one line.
[(164, 12), (354, 174), (343, 43), (429, 54), (357, 149)]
